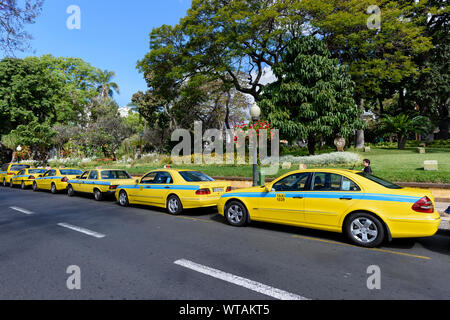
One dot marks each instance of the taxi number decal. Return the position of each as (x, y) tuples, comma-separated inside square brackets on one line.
[(281, 197)]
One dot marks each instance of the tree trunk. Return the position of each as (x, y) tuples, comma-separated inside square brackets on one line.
[(312, 144), (402, 142), (360, 141)]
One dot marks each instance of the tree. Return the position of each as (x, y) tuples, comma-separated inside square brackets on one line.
[(313, 96), (106, 86), (403, 125), (13, 16)]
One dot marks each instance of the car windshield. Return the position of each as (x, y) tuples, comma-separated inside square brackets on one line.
[(380, 181), (112, 174), (70, 172), (37, 171), (195, 176), (18, 167)]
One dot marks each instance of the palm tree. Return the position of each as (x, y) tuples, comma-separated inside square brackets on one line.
[(106, 87), (404, 125)]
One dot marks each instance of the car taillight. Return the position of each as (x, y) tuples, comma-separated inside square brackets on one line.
[(229, 189), (113, 187), (424, 205), (202, 192), (64, 179), (11, 173), (31, 178)]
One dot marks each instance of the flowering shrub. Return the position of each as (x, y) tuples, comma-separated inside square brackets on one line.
[(244, 130), (326, 159)]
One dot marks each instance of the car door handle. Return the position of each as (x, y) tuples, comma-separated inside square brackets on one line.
[(166, 187), (346, 198), (298, 197)]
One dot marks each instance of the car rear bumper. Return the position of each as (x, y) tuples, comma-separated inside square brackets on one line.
[(411, 227), (200, 202)]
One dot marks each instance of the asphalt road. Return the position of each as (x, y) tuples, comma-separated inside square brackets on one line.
[(144, 253)]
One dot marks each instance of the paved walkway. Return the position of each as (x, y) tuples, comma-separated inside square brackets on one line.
[(441, 207)]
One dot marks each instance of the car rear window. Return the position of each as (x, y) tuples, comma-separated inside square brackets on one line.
[(195, 176), (113, 174), (69, 172), (380, 181), (18, 167)]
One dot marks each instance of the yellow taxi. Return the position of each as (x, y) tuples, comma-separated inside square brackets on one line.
[(55, 180), (26, 177), (99, 182), (174, 190), (9, 170), (364, 207)]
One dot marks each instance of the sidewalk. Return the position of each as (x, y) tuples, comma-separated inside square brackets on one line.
[(445, 218)]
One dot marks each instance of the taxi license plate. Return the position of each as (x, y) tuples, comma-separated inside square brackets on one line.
[(218, 190)]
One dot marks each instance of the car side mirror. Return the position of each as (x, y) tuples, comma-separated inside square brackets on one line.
[(78, 177), (137, 181), (40, 176)]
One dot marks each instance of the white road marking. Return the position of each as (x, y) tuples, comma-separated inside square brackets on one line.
[(22, 210), (243, 282), (82, 230)]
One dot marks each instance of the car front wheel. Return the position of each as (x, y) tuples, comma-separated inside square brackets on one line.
[(70, 191), (35, 187), (123, 199), (365, 230)]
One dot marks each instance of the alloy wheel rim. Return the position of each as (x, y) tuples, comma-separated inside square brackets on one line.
[(173, 205), (122, 198), (364, 230), (235, 214)]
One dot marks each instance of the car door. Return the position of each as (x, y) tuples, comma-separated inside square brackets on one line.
[(162, 185), (78, 184), (90, 182), (142, 193), (46, 179), (330, 196), (285, 201)]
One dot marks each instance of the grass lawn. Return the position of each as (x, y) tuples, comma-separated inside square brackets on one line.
[(391, 164)]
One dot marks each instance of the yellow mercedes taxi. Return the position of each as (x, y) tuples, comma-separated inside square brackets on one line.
[(174, 190), (55, 180), (9, 170), (26, 177), (99, 182), (364, 207)]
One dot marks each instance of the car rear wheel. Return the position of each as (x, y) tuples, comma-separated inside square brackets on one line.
[(98, 195), (4, 182), (53, 189), (365, 230), (123, 198), (35, 187), (70, 191), (236, 214), (22, 185), (174, 205), (11, 184)]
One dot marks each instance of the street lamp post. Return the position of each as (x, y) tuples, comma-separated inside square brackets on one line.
[(18, 149), (255, 113)]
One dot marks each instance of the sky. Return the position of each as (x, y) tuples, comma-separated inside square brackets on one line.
[(113, 35)]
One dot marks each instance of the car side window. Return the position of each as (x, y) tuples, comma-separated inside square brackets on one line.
[(21, 173), (149, 178), (93, 175), (163, 178), (84, 175), (324, 181), (349, 185), (47, 174), (294, 182), (5, 167)]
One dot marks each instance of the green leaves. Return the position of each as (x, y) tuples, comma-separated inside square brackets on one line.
[(313, 95)]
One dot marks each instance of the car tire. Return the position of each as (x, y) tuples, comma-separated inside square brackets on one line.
[(11, 183), (364, 230), (236, 214), (22, 185), (35, 187), (173, 205), (53, 189), (70, 191), (4, 182), (123, 198), (98, 195)]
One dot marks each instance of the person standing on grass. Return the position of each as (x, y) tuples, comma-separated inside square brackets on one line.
[(367, 169)]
